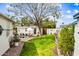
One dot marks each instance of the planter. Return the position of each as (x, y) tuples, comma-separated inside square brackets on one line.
[(16, 44)]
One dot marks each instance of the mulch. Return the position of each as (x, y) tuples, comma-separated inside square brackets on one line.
[(14, 51)]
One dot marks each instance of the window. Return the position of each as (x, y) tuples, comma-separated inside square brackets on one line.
[(21, 35), (1, 29), (26, 34)]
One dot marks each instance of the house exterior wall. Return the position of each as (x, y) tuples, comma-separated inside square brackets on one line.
[(21, 30), (27, 30), (76, 36), (51, 31), (5, 37)]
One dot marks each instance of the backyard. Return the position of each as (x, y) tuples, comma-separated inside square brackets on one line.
[(39, 46)]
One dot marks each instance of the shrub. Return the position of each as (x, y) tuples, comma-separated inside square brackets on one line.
[(16, 38), (66, 41)]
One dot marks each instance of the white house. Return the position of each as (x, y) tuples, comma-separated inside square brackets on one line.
[(76, 35), (6, 32), (24, 31), (51, 31)]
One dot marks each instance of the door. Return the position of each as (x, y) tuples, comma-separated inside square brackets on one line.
[(44, 31), (34, 30)]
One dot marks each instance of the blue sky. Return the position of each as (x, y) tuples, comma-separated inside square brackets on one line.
[(67, 11), (3, 8)]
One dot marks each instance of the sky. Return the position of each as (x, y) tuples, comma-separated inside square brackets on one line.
[(67, 12)]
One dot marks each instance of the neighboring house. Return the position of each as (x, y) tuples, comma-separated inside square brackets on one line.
[(24, 31), (51, 31), (76, 35), (6, 33)]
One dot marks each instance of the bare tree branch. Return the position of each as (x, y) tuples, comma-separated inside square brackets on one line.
[(35, 11)]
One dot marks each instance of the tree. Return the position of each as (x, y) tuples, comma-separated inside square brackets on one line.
[(25, 21), (48, 24), (56, 15), (66, 41), (35, 11)]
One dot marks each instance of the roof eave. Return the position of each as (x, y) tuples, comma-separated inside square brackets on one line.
[(7, 18), (76, 16)]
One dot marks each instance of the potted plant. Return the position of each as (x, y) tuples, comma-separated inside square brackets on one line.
[(12, 43), (16, 40)]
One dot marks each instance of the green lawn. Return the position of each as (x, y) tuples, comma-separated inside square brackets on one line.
[(39, 46)]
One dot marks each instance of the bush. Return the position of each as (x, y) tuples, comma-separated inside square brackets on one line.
[(66, 41), (16, 38)]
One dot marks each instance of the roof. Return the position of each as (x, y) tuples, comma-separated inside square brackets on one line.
[(76, 16), (26, 26), (7, 18), (75, 22)]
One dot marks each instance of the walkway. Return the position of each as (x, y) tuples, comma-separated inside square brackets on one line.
[(14, 51)]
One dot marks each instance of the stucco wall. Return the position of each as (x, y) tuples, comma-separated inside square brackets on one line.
[(27, 30), (51, 31), (4, 39), (76, 36)]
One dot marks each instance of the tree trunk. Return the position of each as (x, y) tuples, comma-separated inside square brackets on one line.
[(57, 42), (40, 31), (39, 23), (58, 50)]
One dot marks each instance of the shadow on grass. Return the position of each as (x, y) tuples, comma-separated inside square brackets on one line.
[(29, 49)]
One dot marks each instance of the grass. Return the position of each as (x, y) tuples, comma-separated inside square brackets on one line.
[(39, 46)]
